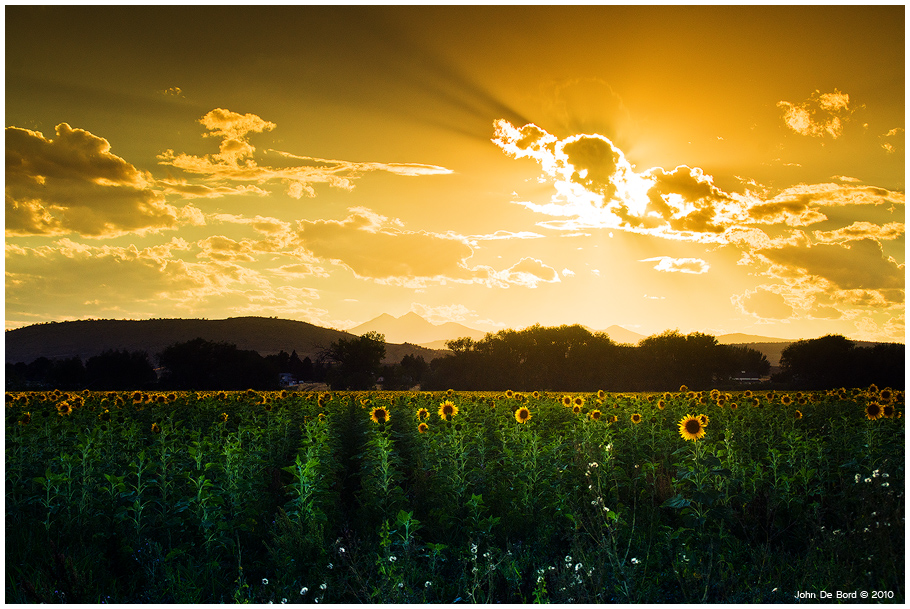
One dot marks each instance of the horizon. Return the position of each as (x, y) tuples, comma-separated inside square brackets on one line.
[(418, 343), (337, 163)]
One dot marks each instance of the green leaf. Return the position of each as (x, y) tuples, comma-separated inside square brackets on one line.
[(676, 502)]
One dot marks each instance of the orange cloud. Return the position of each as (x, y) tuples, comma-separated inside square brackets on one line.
[(666, 264), (763, 303), (822, 115), (75, 184), (861, 230), (235, 162)]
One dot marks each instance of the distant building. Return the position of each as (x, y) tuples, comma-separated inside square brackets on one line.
[(286, 379)]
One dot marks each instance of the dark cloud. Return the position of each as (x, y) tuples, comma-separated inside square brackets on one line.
[(74, 184)]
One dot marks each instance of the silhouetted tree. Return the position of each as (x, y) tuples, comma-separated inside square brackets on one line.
[(356, 362), (201, 364), (119, 370)]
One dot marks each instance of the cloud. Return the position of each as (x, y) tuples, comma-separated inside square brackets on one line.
[(75, 184), (222, 248), (764, 304), (667, 264), (380, 249), (235, 160), (822, 115), (861, 231), (893, 141), (528, 272), (443, 313), (857, 265)]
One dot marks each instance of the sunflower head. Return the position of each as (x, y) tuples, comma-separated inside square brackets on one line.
[(888, 411), (447, 409), (636, 418), (223, 418), (873, 411), (756, 402), (522, 415), (704, 420), (379, 415), (614, 418), (786, 400), (423, 427), (576, 409), (156, 428), (567, 401), (579, 401), (594, 415), (690, 428), (797, 414), (601, 394), (423, 414), (661, 404), (683, 389), (510, 394), (25, 419), (64, 409)]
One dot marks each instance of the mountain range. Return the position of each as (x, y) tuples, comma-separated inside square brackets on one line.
[(409, 334)]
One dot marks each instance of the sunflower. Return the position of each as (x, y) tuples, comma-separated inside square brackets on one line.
[(579, 401), (522, 415), (756, 402), (379, 415), (734, 406), (636, 418), (661, 405), (797, 414), (576, 409), (601, 394), (423, 414), (156, 428), (567, 401), (614, 418), (25, 419), (704, 420), (690, 428), (223, 418), (447, 409), (510, 394), (873, 411), (64, 409), (888, 411), (594, 415), (423, 427), (786, 400), (683, 389), (536, 395)]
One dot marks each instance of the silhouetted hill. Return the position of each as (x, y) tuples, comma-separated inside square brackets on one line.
[(261, 334)]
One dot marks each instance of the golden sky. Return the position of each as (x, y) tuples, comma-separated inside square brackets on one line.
[(711, 169)]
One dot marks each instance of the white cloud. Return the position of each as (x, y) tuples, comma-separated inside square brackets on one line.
[(666, 264), (822, 115)]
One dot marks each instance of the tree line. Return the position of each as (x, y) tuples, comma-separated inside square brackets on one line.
[(564, 358)]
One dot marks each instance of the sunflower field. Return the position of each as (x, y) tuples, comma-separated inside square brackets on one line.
[(403, 497)]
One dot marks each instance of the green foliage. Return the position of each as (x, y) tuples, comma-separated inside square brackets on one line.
[(264, 497)]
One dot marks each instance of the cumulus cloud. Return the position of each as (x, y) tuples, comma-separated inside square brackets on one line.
[(73, 183), (375, 247), (666, 264), (822, 115), (763, 303), (236, 160), (856, 265)]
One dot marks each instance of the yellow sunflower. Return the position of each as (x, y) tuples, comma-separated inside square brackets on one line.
[(888, 411), (601, 394), (379, 415), (64, 409), (690, 428), (510, 394), (661, 405), (25, 419), (786, 400), (576, 409), (579, 401), (447, 409), (636, 418), (683, 389), (594, 415), (704, 420), (567, 401), (423, 414), (423, 427), (873, 411), (522, 415), (156, 428), (223, 418), (797, 414)]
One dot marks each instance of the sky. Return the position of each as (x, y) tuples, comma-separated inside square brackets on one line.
[(701, 169)]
